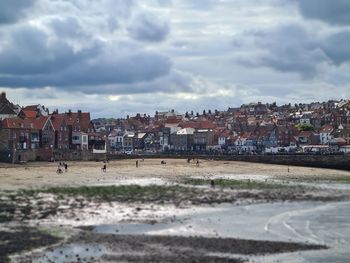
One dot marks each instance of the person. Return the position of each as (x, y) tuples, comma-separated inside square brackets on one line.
[(65, 167), (212, 183), (163, 162), (188, 160), (59, 170), (104, 168), (137, 163), (197, 163)]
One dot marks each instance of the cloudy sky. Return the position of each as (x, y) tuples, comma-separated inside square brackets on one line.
[(118, 57)]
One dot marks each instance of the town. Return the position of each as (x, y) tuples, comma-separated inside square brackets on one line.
[(33, 133)]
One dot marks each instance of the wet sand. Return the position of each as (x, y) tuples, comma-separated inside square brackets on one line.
[(126, 248), (39, 175)]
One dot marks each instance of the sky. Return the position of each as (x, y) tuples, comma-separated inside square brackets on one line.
[(119, 57)]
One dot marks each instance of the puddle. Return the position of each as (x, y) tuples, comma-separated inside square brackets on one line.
[(72, 253), (307, 222), (136, 181), (256, 177)]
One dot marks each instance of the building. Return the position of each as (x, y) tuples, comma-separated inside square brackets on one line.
[(7, 109), (326, 134), (182, 140)]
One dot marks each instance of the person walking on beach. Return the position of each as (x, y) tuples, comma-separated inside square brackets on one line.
[(65, 167), (104, 168), (137, 163), (197, 163)]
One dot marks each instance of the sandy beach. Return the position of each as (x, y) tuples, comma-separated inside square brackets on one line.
[(40, 175), (117, 212)]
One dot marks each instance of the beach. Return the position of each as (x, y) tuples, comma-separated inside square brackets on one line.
[(38, 175), (156, 212)]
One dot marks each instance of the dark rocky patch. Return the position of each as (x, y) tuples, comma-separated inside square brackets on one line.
[(23, 239)]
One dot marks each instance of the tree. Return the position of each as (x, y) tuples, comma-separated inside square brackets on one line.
[(304, 127)]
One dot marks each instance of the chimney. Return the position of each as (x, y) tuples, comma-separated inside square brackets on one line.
[(79, 112), (3, 95)]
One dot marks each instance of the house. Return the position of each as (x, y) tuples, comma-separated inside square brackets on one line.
[(336, 143), (307, 138), (115, 139), (61, 132), (33, 111), (326, 134), (78, 125), (96, 142), (139, 140), (202, 139), (7, 109), (164, 139), (35, 135), (152, 142), (128, 141), (343, 132), (246, 143), (80, 140), (182, 140)]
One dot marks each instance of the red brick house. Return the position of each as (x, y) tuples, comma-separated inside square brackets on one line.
[(61, 132)]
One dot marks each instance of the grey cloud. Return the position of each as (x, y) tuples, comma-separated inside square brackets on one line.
[(288, 49), (131, 68), (330, 11), (29, 51), (12, 10), (336, 47), (147, 27), (67, 27)]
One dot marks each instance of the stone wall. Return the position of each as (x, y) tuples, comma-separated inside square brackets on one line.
[(322, 161)]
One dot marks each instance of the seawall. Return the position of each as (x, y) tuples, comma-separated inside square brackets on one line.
[(341, 162)]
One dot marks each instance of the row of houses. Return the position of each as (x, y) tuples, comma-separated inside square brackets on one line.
[(263, 139), (32, 133), (251, 128)]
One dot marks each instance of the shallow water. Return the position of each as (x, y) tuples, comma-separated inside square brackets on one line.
[(309, 222)]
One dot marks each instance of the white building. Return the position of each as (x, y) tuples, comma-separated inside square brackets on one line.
[(326, 134)]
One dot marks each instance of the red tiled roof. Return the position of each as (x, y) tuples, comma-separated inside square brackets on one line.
[(327, 129), (71, 118), (27, 123), (31, 107), (57, 121), (198, 125), (30, 113)]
